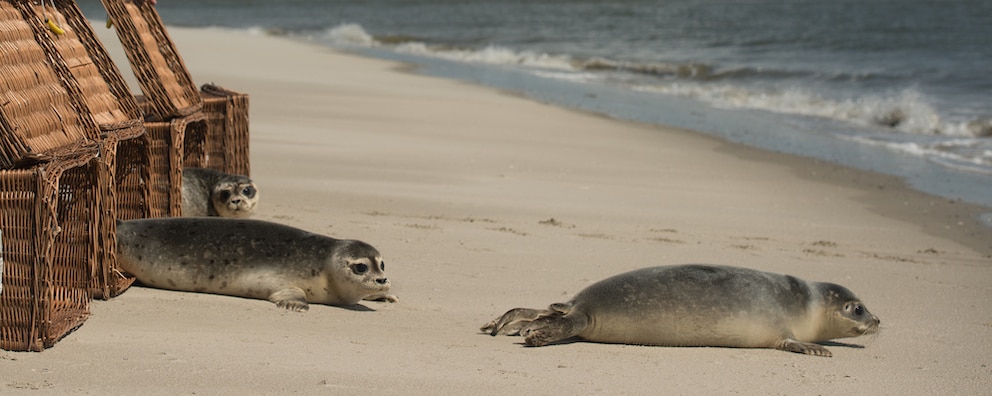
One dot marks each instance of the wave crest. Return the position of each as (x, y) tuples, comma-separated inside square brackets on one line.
[(349, 34), (906, 111), (493, 55)]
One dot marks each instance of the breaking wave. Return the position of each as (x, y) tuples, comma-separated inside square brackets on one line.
[(908, 111), (904, 111)]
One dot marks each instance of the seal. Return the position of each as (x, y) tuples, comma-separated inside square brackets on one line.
[(208, 192), (253, 259), (698, 305)]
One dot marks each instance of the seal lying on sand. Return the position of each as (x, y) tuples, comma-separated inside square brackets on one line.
[(698, 305), (251, 258), (208, 192)]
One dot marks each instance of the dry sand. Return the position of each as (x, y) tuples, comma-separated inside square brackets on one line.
[(457, 185)]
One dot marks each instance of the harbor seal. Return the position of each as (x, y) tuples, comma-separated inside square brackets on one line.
[(208, 192), (253, 259), (698, 305)]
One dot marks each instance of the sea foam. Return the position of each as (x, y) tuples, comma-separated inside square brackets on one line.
[(349, 34)]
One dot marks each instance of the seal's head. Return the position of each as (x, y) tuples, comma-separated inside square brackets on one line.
[(362, 267), (235, 197), (846, 314)]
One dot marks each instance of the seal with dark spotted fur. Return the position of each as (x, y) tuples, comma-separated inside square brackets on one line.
[(251, 258), (209, 192), (698, 305)]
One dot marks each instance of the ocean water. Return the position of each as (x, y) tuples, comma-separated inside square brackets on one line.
[(896, 86)]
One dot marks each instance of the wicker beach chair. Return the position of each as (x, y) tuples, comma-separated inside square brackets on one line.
[(75, 157), (170, 94), (50, 219), (38, 112), (129, 182), (50, 200)]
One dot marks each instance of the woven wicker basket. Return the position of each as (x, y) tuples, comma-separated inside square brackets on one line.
[(160, 70), (101, 86), (172, 137), (169, 91), (227, 130), (50, 215), (39, 105), (117, 191), (116, 112)]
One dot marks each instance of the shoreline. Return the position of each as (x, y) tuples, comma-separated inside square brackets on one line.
[(954, 219), (482, 201), (735, 125)]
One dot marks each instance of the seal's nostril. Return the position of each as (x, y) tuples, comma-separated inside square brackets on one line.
[(381, 281)]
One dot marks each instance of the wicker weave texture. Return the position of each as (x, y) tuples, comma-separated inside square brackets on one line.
[(115, 192), (167, 148), (49, 216), (39, 106), (103, 89), (227, 145), (156, 64), (132, 173), (167, 87)]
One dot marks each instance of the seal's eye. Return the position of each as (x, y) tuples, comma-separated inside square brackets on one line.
[(382, 265), (224, 195), (859, 310), (359, 268), (248, 192)]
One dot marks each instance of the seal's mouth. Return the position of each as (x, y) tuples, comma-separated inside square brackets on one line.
[(239, 209), (376, 285), (871, 327), (238, 205)]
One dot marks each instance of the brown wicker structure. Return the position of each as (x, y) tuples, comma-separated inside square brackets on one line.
[(168, 154), (50, 209), (39, 109), (50, 215), (169, 91), (101, 86), (119, 119), (154, 60), (78, 152), (226, 148)]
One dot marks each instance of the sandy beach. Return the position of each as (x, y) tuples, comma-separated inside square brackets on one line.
[(482, 201)]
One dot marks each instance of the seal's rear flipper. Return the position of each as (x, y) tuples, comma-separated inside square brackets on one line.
[(512, 321), (552, 328)]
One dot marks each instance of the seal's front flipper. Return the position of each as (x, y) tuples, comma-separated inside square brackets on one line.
[(293, 299), (807, 348)]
